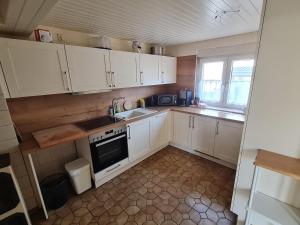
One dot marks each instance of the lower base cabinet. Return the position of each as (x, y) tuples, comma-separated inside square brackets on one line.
[(214, 137), (159, 130), (227, 141), (138, 134), (202, 135)]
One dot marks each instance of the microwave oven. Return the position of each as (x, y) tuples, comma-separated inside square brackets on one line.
[(166, 100)]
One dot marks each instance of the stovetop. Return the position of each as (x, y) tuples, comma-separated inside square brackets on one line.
[(97, 122)]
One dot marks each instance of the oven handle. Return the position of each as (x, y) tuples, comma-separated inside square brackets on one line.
[(110, 140), (113, 168)]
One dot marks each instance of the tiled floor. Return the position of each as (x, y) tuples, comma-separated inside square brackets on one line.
[(171, 187)]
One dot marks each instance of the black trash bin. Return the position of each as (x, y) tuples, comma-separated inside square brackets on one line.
[(55, 190)]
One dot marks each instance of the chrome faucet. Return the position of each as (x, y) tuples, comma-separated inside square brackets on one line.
[(113, 103)]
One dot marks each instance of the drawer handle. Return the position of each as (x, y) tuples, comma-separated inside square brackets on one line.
[(107, 171)]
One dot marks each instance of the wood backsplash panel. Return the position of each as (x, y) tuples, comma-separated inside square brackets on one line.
[(35, 113), (186, 70)]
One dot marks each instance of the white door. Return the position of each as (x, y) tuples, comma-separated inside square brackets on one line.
[(88, 68), (138, 139), (159, 134), (149, 69), (33, 68), (123, 67), (228, 140), (203, 134), (181, 129), (168, 68)]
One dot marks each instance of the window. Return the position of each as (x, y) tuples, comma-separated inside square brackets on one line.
[(225, 82)]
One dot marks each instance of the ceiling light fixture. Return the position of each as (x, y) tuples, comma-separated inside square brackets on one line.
[(219, 14)]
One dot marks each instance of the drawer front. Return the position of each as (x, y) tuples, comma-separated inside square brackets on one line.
[(111, 169)]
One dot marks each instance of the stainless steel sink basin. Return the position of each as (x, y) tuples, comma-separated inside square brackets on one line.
[(134, 113)]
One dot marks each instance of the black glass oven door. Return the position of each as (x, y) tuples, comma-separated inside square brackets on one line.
[(109, 151)]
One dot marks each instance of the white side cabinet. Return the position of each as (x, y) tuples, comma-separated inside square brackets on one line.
[(159, 130), (138, 134), (32, 68), (88, 68), (168, 66), (149, 69), (228, 140), (182, 129), (123, 69), (203, 134)]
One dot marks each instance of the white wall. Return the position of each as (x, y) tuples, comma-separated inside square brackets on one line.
[(219, 46), (84, 39), (273, 121)]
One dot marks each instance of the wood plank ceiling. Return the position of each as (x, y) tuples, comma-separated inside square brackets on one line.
[(165, 22), (20, 17)]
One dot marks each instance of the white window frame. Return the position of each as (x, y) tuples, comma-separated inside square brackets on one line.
[(226, 77)]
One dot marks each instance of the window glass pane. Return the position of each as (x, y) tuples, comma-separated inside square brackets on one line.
[(240, 80), (211, 82)]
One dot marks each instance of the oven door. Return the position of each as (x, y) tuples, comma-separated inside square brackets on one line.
[(109, 151)]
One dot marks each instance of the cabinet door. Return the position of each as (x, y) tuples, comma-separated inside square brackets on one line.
[(168, 69), (34, 68), (203, 134), (159, 134), (138, 139), (88, 68), (149, 69), (123, 69), (228, 140), (181, 128)]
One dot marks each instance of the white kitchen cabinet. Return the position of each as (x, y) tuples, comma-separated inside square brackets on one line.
[(198, 134), (227, 141), (149, 69), (33, 68), (168, 67), (123, 69), (89, 68), (203, 134), (138, 134), (182, 129), (159, 130)]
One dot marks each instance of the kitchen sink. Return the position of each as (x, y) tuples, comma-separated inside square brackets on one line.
[(134, 113)]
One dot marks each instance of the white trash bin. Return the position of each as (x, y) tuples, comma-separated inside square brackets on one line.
[(79, 171)]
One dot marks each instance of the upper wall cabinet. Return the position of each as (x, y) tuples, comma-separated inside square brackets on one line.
[(167, 67), (123, 69), (89, 68), (149, 69), (32, 68)]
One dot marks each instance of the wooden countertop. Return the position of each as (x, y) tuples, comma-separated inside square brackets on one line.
[(278, 163), (57, 135), (234, 117)]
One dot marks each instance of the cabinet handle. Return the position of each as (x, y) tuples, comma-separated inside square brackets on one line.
[(141, 78), (66, 80), (108, 79), (113, 168), (217, 128), (193, 122), (129, 132), (189, 121), (113, 79), (162, 77)]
